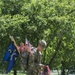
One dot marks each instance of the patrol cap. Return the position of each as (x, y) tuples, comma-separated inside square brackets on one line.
[(43, 43)]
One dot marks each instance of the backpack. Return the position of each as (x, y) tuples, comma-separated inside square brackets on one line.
[(46, 71)]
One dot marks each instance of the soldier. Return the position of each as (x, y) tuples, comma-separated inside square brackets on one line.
[(34, 64), (24, 52), (33, 58)]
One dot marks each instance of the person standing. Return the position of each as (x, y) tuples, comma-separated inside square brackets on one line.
[(24, 52), (35, 56)]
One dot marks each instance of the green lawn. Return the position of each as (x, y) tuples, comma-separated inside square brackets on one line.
[(17, 74), (22, 73), (12, 74)]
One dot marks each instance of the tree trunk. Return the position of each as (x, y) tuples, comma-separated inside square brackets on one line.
[(58, 72), (54, 55), (63, 72), (63, 69), (15, 72)]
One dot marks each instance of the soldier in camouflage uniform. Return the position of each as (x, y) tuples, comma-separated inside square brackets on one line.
[(32, 58), (34, 66), (23, 53)]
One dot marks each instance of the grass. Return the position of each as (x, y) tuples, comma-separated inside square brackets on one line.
[(12, 74), (22, 73)]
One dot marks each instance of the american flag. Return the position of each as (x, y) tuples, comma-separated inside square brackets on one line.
[(27, 45)]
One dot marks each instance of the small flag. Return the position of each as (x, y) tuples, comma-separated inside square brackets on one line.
[(28, 43)]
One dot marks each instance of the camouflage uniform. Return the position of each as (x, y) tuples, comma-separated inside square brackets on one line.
[(34, 61), (24, 60)]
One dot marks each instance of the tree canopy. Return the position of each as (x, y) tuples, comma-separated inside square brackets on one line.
[(51, 20)]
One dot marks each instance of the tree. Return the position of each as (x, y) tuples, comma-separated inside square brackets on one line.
[(46, 19)]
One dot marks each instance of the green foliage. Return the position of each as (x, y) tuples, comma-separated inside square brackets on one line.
[(51, 20)]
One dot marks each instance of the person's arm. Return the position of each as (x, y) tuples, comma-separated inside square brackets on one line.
[(12, 39)]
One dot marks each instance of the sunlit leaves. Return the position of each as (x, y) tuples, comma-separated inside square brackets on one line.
[(40, 19)]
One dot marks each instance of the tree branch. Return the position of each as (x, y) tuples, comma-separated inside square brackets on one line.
[(54, 55)]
